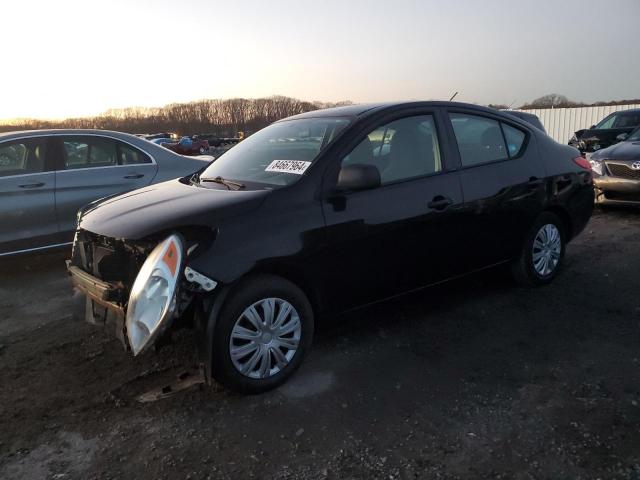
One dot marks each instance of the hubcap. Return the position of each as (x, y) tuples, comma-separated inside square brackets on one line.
[(547, 247), (265, 338)]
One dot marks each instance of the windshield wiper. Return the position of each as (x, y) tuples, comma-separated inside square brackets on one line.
[(227, 183)]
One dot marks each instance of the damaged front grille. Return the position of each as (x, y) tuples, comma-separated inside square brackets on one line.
[(108, 259)]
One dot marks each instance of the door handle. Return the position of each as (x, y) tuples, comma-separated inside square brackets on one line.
[(135, 175), (439, 202), (32, 185)]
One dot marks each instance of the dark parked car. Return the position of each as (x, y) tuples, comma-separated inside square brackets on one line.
[(215, 141), (612, 129), (321, 213), (616, 170)]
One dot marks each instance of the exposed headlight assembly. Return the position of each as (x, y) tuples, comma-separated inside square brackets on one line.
[(596, 166), (153, 296)]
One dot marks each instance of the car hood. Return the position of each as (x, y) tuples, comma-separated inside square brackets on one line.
[(173, 204), (619, 151)]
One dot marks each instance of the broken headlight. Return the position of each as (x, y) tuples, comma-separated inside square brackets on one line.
[(153, 295)]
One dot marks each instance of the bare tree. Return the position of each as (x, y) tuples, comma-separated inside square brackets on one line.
[(552, 100)]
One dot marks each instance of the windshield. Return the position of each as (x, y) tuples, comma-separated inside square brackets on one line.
[(278, 154), (634, 136)]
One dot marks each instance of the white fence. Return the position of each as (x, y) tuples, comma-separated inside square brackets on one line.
[(561, 123)]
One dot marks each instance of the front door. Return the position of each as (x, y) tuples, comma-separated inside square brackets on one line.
[(397, 237)]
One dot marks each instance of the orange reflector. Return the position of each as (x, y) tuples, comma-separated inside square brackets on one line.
[(171, 258)]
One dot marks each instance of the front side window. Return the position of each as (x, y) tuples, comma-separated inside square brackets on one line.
[(21, 157), (89, 152), (479, 139), (277, 155), (403, 149)]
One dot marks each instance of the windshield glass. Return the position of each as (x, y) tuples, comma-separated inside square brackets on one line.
[(634, 136), (607, 122), (278, 154)]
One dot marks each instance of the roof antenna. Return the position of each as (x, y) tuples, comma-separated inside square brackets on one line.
[(453, 96)]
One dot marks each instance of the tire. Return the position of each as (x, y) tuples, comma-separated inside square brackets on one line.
[(202, 150), (524, 270), (233, 321)]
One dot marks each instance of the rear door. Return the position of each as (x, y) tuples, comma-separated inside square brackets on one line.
[(402, 235), (503, 184), (90, 167), (27, 204)]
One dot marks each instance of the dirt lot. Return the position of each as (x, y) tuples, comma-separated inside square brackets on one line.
[(475, 379)]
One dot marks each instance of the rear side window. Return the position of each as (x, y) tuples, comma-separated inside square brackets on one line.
[(484, 140), (21, 157), (131, 156), (515, 139), (479, 139), (89, 152)]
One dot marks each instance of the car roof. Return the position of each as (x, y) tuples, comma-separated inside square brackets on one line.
[(65, 131), (366, 109), (631, 110)]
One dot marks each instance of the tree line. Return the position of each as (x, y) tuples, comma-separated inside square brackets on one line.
[(224, 118), (555, 100)]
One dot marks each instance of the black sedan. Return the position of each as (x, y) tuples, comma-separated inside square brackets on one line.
[(616, 171), (321, 213), (610, 130)]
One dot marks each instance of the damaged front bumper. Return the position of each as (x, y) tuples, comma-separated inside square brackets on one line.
[(98, 302)]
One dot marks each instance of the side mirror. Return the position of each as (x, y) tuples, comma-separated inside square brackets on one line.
[(622, 137), (592, 127), (358, 177)]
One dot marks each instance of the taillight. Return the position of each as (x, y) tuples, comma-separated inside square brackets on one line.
[(582, 163)]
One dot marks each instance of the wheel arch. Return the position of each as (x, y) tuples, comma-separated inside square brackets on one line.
[(564, 216), (295, 275), (209, 307)]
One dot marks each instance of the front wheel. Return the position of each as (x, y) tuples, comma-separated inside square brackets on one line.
[(202, 150), (262, 334), (542, 252)]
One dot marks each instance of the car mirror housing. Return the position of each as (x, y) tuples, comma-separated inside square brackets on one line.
[(358, 177)]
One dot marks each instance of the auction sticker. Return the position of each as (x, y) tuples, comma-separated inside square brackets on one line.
[(296, 167)]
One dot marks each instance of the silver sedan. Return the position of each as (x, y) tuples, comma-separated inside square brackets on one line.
[(47, 175)]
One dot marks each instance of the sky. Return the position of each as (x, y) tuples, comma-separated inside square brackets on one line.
[(68, 58)]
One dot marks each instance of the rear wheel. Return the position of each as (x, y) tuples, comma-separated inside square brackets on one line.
[(542, 251), (262, 334)]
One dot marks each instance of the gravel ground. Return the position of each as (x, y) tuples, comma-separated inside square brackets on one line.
[(476, 379)]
